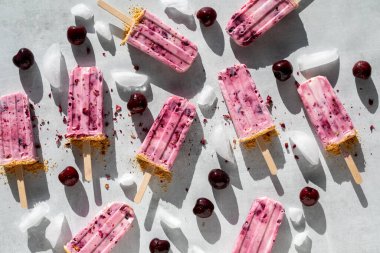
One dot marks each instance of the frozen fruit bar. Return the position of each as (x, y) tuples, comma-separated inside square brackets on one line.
[(326, 113), (249, 114), (260, 229), (16, 133), (104, 231), (85, 104), (256, 17), (164, 140)]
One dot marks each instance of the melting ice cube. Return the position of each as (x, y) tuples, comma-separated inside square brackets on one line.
[(129, 81), (52, 66), (302, 241), (126, 180), (170, 220), (296, 215), (221, 143), (181, 5), (306, 146), (207, 97), (54, 229), (82, 11), (103, 30), (309, 61), (195, 249)]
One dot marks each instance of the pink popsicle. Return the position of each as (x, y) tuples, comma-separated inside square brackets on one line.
[(256, 17), (260, 229), (327, 114), (16, 133), (85, 104), (104, 231)]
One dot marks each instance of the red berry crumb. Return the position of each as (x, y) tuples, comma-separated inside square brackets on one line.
[(118, 108), (286, 145), (294, 146), (282, 125), (107, 186), (370, 101), (205, 120), (227, 116), (372, 127), (203, 141), (296, 157), (269, 101)]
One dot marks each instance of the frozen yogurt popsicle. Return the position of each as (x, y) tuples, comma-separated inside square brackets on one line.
[(85, 111), (149, 34), (249, 114), (260, 229), (104, 231), (17, 147), (330, 119), (256, 17), (164, 140)]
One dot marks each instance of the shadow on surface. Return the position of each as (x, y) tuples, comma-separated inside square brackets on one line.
[(84, 54), (181, 18), (227, 204), (131, 241), (315, 218), (77, 197), (368, 94), (210, 228), (142, 123), (89, 24), (289, 95), (330, 70), (284, 238), (60, 95), (36, 237), (214, 37), (177, 237), (31, 81), (232, 170)]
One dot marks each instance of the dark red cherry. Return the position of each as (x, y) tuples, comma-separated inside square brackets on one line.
[(76, 34), (24, 59), (362, 69), (203, 208), (69, 176), (218, 179), (282, 70), (159, 246), (137, 103), (309, 196), (207, 16)]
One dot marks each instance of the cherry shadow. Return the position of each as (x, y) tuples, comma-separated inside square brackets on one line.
[(77, 197), (368, 94), (232, 170), (60, 95), (289, 95), (214, 37), (31, 81), (315, 218), (210, 228), (227, 204), (142, 123), (84, 54)]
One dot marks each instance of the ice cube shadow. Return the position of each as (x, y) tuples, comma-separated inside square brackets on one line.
[(367, 91), (88, 24), (31, 81), (214, 37), (277, 43), (284, 237), (177, 237), (60, 96), (36, 237), (108, 45), (181, 18), (130, 241), (209, 111)]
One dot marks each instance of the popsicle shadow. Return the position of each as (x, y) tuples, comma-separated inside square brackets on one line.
[(284, 238), (131, 241), (186, 84), (277, 43), (257, 166), (130, 191), (177, 237), (368, 94), (214, 37), (181, 18), (315, 218), (210, 228), (36, 237), (31, 81), (77, 197), (289, 95), (60, 95), (84, 54), (227, 203)]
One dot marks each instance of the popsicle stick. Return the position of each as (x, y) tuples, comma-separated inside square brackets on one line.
[(267, 156), (142, 188), (115, 12), (21, 186), (351, 164), (87, 161)]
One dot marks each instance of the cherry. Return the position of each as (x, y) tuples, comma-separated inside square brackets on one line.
[(218, 179), (362, 69), (207, 16), (309, 196), (159, 246), (76, 34), (282, 70), (203, 208), (137, 103), (69, 176), (24, 59)]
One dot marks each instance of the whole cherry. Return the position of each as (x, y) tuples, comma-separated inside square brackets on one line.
[(24, 59), (309, 196), (159, 246), (69, 176)]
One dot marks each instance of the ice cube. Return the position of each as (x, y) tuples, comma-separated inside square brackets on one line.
[(221, 143), (34, 216), (54, 229), (170, 220), (126, 180), (207, 97), (302, 241), (52, 66), (296, 216), (129, 81), (195, 249), (309, 61), (103, 30), (306, 146), (181, 5), (82, 11)]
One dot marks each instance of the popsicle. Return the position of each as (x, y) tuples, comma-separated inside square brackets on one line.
[(260, 229), (256, 17), (249, 114), (104, 231), (149, 34), (330, 119), (164, 140), (85, 111), (17, 147)]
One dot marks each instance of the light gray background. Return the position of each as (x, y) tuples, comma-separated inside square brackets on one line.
[(346, 218)]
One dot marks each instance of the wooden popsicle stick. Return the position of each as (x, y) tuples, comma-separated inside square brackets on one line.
[(87, 161), (21, 186), (351, 164), (142, 188), (267, 156), (115, 12)]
